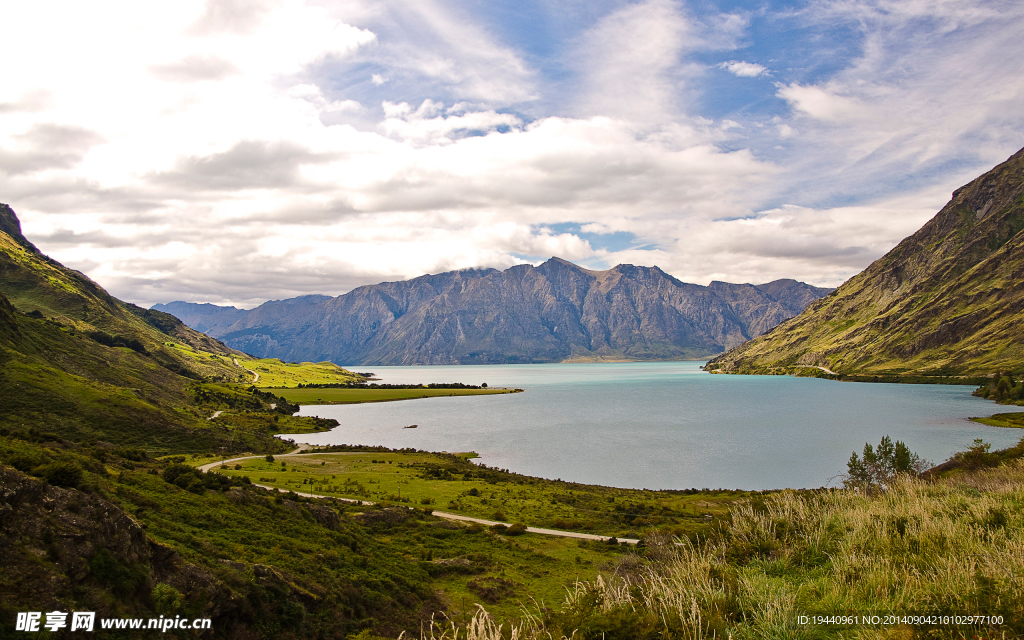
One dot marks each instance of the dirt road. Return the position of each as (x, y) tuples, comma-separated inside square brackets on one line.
[(212, 466)]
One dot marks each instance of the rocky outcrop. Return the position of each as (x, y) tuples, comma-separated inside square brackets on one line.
[(551, 313), (10, 225), (69, 549)]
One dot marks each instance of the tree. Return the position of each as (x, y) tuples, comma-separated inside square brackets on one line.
[(877, 468)]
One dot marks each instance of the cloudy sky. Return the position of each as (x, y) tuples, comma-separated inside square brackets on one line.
[(234, 151)]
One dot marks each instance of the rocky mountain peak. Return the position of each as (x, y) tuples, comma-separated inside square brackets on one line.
[(10, 225)]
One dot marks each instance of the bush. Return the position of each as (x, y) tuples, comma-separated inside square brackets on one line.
[(63, 474), (25, 462), (120, 577), (131, 453), (517, 529), (166, 599), (977, 455)]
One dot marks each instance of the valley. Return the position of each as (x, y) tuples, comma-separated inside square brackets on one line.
[(109, 411)]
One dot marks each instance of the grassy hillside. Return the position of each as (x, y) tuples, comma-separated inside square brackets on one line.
[(930, 560), (947, 301)]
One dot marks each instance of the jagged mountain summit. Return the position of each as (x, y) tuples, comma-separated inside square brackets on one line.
[(947, 301), (554, 312)]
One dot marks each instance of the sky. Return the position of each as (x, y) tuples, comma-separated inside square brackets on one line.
[(237, 151)]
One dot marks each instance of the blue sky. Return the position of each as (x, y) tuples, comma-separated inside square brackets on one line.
[(234, 151)]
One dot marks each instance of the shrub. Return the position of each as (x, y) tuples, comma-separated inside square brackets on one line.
[(25, 462), (63, 474), (131, 453), (120, 577), (516, 529), (166, 599)]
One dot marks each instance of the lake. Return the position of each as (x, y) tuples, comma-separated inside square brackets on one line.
[(664, 425)]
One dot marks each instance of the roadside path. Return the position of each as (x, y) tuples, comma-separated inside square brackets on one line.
[(215, 414), (255, 376), (212, 466), (814, 366)]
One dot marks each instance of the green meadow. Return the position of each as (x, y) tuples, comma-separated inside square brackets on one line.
[(276, 373), (449, 482), (1006, 420)]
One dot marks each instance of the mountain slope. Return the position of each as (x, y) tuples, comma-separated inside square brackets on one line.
[(550, 313), (948, 300), (83, 366)]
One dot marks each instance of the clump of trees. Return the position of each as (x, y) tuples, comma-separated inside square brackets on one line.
[(877, 467), (1002, 388), (194, 480), (108, 340)]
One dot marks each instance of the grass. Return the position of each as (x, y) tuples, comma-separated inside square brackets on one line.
[(275, 373), (447, 482), (954, 547), (352, 567), (1007, 420), (352, 396)]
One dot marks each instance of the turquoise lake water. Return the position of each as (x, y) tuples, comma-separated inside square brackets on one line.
[(664, 425)]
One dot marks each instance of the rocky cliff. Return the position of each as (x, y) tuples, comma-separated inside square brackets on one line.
[(551, 313)]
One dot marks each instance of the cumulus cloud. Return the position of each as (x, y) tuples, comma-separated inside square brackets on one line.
[(47, 145), (743, 69), (31, 100), (195, 68), (249, 164), (254, 150)]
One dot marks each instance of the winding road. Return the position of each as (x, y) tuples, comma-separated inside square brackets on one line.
[(212, 466), (255, 376), (814, 366)]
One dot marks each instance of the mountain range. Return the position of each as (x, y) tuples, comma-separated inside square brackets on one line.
[(555, 312), (946, 301)]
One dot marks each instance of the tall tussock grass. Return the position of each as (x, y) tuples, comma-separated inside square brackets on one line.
[(953, 547)]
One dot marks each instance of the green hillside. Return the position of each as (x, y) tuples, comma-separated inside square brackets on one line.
[(78, 364), (947, 301)]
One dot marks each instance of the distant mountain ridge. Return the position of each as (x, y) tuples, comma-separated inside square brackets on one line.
[(554, 312), (946, 301)]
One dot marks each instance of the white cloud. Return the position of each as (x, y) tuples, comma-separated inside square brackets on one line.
[(743, 69), (936, 81), (223, 160), (632, 61)]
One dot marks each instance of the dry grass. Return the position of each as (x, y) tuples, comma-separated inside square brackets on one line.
[(955, 547)]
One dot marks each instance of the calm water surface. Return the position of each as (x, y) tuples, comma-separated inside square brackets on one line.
[(665, 425)]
